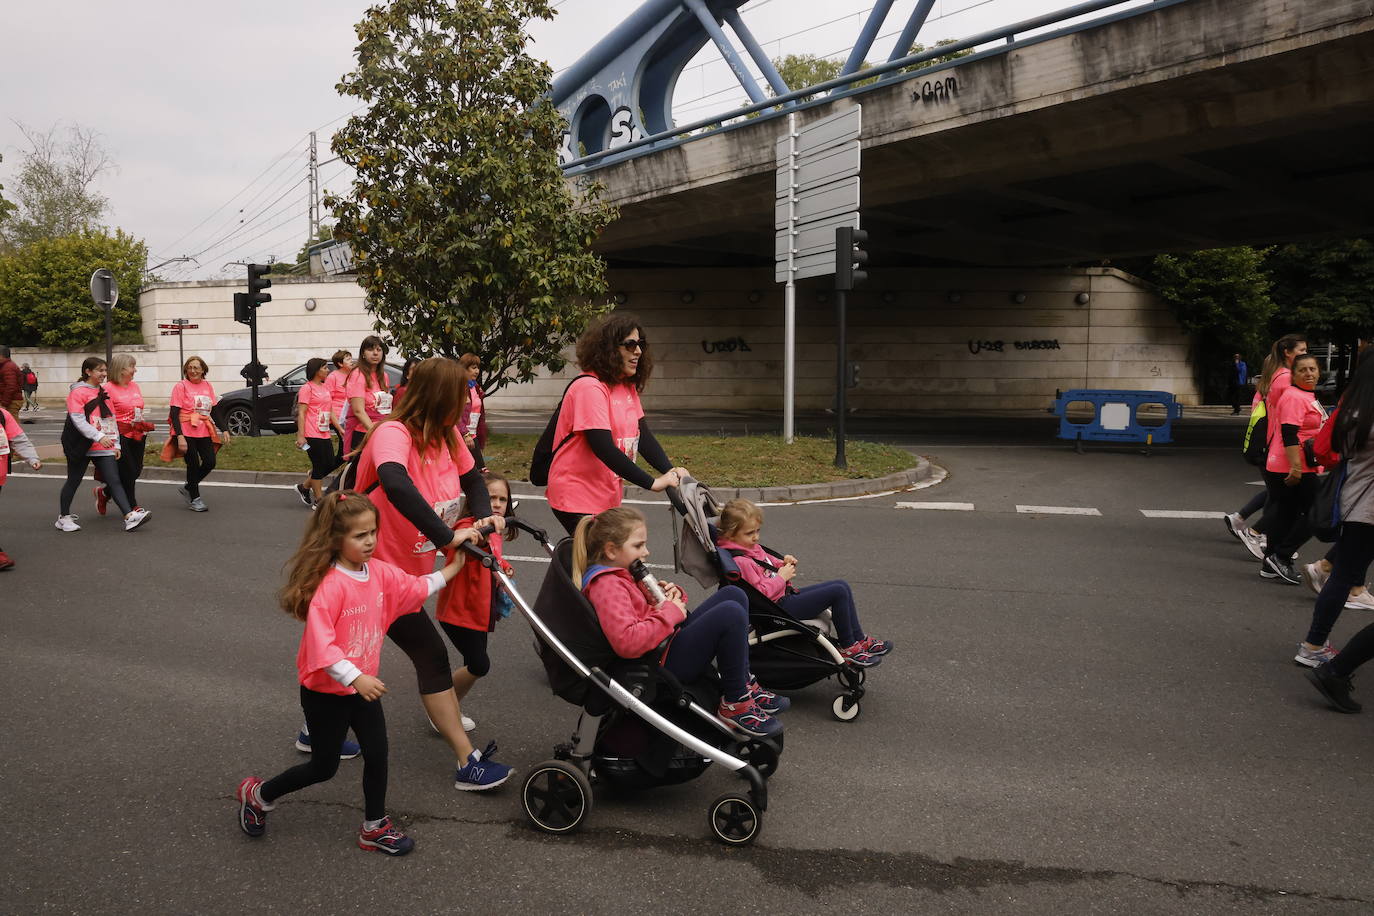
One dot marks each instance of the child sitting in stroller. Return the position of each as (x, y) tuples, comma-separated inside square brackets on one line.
[(604, 548), (770, 575)]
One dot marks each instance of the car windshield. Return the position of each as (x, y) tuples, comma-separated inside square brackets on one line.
[(293, 379)]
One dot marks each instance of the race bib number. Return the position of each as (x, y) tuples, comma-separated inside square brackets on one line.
[(382, 399), (138, 414), (322, 424), (629, 445), (4, 444), (108, 427), (473, 419), (449, 512), (203, 404)]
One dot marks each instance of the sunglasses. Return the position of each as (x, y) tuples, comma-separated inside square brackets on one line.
[(633, 344)]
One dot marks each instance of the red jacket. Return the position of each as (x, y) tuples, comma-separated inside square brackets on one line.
[(11, 382)]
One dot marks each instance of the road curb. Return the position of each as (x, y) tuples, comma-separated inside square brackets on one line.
[(835, 489)]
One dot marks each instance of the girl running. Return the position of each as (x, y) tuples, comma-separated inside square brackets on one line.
[(13, 440), (469, 608), (126, 400), (740, 524), (369, 395), (347, 600), (604, 548), (314, 419), (91, 436), (192, 398), (338, 400)]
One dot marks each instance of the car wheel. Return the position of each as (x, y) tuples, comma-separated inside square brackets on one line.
[(238, 420)]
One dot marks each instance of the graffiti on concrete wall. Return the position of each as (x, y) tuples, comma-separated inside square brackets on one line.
[(998, 346), (729, 345)]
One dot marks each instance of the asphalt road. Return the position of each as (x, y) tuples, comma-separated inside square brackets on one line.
[(1085, 713)]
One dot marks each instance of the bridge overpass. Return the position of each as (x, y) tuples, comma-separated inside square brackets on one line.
[(1192, 124)]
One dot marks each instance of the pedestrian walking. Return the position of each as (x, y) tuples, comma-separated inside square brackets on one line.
[(91, 436), (474, 421), (11, 383), (338, 399), (314, 421), (369, 394), (1290, 475), (13, 441), (601, 426), (126, 400), (347, 599), (30, 379), (197, 438), (1237, 380)]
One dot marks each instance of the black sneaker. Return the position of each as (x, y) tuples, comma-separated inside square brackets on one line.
[(1275, 567), (1335, 688), (307, 496)]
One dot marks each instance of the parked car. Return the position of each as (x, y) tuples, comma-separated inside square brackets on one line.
[(1326, 389), (276, 403)]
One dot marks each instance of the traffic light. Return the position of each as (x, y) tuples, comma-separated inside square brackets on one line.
[(850, 257), (243, 311), (257, 282)]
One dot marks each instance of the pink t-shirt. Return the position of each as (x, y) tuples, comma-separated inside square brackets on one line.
[(77, 399), (1296, 408), (472, 411), (318, 403), (127, 403), (195, 400), (434, 474), (334, 384), (348, 619), (376, 402), (578, 480), (9, 431)]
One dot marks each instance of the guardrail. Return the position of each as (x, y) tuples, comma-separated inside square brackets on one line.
[(1115, 416)]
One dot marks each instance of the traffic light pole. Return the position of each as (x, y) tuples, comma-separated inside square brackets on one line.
[(840, 387), (253, 382)]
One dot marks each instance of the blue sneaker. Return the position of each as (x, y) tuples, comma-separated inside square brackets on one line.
[(349, 750), (767, 700), (385, 837), (748, 717), (481, 772)]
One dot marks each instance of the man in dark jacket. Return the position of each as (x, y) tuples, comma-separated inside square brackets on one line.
[(11, 383), (1238, 378)]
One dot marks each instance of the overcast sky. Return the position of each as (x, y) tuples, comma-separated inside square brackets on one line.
[(206, 107)]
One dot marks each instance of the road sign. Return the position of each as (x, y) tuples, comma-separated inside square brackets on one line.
[(170, 333), (179, 324), (104, 289)]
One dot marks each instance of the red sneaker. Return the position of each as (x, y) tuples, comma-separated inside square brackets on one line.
[(102, 500), (5, 561)]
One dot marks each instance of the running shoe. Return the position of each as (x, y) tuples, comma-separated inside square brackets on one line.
[(385, 837), (879, 647), (306, 495), (349, 750), (1360, 601), (135, 518), (198, 505), (748, 717), (481, 772), (67, 523), (1253, 541), (5, 561), (1335, 688), (1235, 523), (1313, 658), (252, 809), (185, 494), (102, 500), (1276, 567), (1315, 576), (468, 724), (767, 700), (858, 655)]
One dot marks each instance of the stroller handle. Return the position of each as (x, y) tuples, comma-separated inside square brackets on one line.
[(539, 534), (477, 553), (675, 497)]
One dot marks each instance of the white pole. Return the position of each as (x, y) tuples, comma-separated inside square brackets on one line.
[(789, 319)]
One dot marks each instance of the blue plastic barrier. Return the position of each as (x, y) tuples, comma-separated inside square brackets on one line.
[(1116, 416)]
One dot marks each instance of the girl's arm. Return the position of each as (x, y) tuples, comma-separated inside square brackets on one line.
[(300, 424), (771, 587), (631, 627), (24, 447), (85, 428), (355, 404)]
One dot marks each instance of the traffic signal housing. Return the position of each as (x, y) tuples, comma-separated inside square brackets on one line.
[(257, 282), (850, 257), (243, 310)]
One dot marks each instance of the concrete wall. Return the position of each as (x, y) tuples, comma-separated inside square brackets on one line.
[(916, 347)]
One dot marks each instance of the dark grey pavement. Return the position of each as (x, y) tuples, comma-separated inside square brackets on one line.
[(1084, 714)]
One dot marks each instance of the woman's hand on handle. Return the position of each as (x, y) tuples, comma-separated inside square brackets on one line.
[(369, 687), (495, 521), (666, 480)]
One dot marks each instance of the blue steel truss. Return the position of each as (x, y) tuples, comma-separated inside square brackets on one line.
[(618, 97)]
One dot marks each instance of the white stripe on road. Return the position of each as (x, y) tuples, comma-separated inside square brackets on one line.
[(951, 507), (1057, 510), (1179, 513)]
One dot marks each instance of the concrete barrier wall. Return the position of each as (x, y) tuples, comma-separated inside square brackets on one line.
[(916, 345)]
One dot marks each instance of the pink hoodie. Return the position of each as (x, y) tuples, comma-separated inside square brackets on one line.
[(631, 626), (759, 568)]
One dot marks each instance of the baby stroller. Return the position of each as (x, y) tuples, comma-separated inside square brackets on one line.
[(639, 726), (784, 653)]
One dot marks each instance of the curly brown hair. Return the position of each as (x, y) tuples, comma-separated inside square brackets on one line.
[(598, 350)]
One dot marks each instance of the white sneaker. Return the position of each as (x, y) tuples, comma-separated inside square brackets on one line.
[(468, 724), (1315, 576), (135, 518), (1253, 542), (1363, 601), (1235, 523), (1313, 658), (67, 523)]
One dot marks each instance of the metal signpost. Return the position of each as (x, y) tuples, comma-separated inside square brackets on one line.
[(817, 192), (105, 292), (175, 329)]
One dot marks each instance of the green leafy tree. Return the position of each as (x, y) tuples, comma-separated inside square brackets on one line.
[(45, 296), (54, 189), (464, 232), (5, 206), (1326, 288)]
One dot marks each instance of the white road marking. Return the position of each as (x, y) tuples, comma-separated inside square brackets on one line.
[(951, 507), (1179, 513), (1057, 510)]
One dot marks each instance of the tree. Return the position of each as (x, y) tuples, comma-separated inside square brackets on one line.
[(45, 297), (464, 233), (5, 206), (53, 189), (1326, 289)]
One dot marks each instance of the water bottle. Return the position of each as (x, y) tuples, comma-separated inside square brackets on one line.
[(652, 589)]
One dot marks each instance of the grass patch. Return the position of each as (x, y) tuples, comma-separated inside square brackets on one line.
[(725, 461)]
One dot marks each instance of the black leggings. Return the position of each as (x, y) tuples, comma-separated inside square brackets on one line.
[(568, 520), (329, 716), (1350, 557), (417, 638), (131, 464), (1285, 513), (200, 461), (322, 461), (1359, 650), (472, 645), (109, 469)]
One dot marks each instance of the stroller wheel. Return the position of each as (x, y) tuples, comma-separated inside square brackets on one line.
[(557, 797), (734, 820), (762, 754), (845, 708)]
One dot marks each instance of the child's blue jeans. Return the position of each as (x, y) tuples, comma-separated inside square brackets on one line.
[(810, 601), (719, 629)]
